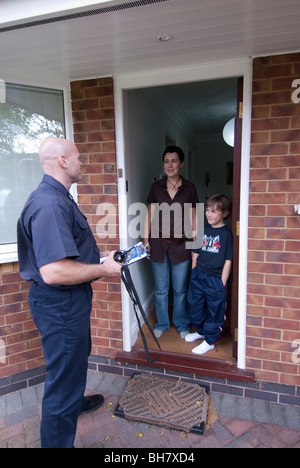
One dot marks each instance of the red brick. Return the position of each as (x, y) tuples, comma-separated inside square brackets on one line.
[(257, 210), (283, 257), (84, 83), (262, 332), (283, 234), (282, 84), (92, 92), (101, 114), (285, 135), (272, 98), (278, 210), (284, 186), (263, 267), (287, 379), (262, 112), (269, 149), (292, 58), (266, 245), (258, 186), (295, 147), (292, 269), (293, 223), (266, 198), (283, 280), (285, 110), (263, 354), (292, 246), (282, 324), (285, 161), (268, 174), (270, 124), (86, 127), (283, 302), (283, 368), (88, 105)]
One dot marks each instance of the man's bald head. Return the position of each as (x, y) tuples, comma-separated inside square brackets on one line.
[(60, 159), (52, 148)]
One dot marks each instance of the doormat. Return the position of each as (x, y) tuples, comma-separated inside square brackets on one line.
[(164, 402)]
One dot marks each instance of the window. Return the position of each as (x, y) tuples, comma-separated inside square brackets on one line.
[(28, 116)]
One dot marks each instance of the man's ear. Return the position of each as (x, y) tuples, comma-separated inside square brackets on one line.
[(62, 161)]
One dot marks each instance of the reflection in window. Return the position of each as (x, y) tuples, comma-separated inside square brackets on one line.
[(28, 116)]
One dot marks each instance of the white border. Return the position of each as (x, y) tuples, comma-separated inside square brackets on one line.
[(184, 75), (9, 252)]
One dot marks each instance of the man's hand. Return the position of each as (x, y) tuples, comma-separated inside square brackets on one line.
[(110, 267)]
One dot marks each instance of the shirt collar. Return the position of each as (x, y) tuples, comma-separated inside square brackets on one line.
[(56, 184)]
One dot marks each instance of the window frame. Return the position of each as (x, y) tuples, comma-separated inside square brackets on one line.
[(9, 252)]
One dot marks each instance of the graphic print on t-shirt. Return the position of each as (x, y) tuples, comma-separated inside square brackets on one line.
[(211, 244)]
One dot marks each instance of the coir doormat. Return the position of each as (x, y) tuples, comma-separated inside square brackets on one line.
[(164, 402)]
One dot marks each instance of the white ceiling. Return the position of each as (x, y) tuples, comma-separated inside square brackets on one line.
[(200, 108), (125, 41)]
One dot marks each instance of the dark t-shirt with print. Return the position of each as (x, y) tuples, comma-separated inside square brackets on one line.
[(216, 249)]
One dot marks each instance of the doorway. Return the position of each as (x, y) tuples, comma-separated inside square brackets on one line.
[(192, 116), (133, 171)]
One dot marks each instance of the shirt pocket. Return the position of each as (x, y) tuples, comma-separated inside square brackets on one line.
[(81, 228)]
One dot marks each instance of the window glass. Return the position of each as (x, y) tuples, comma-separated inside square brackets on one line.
[(28, 116)]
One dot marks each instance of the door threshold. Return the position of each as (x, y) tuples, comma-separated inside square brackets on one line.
[(183, 363)]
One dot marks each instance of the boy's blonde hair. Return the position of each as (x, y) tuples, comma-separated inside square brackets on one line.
[(222, 203)]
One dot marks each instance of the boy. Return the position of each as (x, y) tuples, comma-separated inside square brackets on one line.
[(211, 270)]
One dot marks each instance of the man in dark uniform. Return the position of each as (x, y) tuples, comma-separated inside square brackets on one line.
[(58, 253)]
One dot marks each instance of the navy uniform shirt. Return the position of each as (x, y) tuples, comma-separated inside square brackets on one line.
[(50, 228)]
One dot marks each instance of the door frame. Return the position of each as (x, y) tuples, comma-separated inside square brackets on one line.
[(202, 72), (236, 215)]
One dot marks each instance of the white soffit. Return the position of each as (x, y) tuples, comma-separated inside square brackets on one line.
[(120, 37)]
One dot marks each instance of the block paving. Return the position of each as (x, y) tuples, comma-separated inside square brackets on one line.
[(233, 422)]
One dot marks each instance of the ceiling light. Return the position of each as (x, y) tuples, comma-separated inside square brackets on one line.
[(228, 132), (165, 38)]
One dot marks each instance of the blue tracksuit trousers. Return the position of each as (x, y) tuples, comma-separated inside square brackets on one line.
[(207, 305)]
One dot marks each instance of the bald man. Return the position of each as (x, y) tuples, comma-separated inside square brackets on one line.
[(59, 255)]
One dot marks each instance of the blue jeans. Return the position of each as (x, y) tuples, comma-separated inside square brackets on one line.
[(180, 277)]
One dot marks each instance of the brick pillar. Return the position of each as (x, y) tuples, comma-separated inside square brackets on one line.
[(274, 229), (94, 135)]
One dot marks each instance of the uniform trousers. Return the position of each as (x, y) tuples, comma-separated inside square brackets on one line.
[(207, 305), (63, 318)]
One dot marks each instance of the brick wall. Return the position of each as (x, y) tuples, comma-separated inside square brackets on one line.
[(274, 230), (17, 329), (94, 135)]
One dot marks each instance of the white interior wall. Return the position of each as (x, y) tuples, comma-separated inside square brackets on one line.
[(145, 128)]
